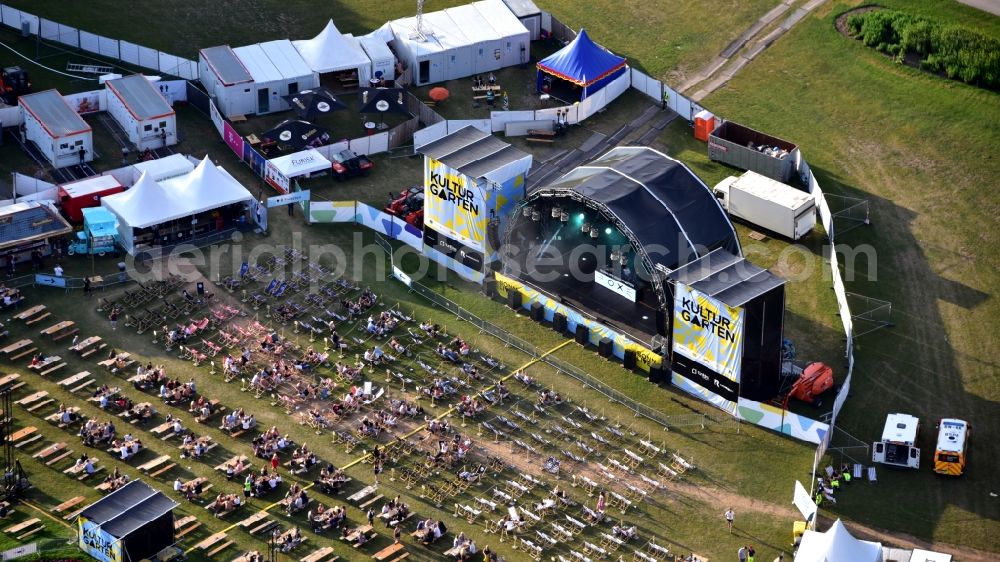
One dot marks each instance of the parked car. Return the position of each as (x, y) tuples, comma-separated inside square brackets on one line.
[(347, 164)]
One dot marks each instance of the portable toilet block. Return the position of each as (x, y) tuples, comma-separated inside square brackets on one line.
[(704, 124)]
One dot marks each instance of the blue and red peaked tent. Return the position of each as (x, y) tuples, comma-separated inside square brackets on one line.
[(584, 63)]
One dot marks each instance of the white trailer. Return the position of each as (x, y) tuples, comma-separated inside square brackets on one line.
[(142, 112), (899, 440), (768, 204), (62, 136), (227, 80)]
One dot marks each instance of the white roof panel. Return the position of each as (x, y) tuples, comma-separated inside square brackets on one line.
[(301, 163), (951, 435), (93, 184), (468, 17), (501, 18), (286, 59), (257, 64)]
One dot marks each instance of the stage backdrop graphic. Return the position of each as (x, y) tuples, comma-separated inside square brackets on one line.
[(454, 204), (708, 345), (95, 542)]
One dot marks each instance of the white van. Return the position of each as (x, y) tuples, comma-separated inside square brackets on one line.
[(898, 444)]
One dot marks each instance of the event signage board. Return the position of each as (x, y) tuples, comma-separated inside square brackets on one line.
[(615, 284), (274, 178), (708, 343), (50, 280), (285, 199), (97, 543), (454, 204), (401, 276), (233, 139)]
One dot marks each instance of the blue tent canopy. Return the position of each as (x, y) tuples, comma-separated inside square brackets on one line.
[(583, 63)]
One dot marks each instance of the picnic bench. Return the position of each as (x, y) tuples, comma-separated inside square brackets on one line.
[(388, 551), (83, 378), (56, 417), (233, 462), (61, 330), (25, 528), (185, 525), (48, 365), (253, 519), (210, 541), (119, 362), (363, 493), (320, 555), (89, 346), (68, 504), (354, 535), (24, 436), (157, 466), (9, 380), (18, 349), (33, 315)]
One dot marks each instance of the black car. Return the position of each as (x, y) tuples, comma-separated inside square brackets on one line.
[(347, 164)]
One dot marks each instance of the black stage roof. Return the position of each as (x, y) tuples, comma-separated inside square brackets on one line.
[(728, 278), (128, 508)]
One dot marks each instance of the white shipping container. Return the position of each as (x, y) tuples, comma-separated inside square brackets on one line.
[(58, 131), (768, 204)]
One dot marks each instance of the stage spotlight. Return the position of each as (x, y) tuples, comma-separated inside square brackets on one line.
[(594, 233), (526, 211), (564, 217), (555, 212), (580, 217), (586, 228), (536, 216), (607, 230)]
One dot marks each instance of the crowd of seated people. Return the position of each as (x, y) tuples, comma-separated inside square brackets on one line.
[(348, 372), (381, 326), (623, 531), (472, 475), (194, 447), (302, 460), (432, 330), (115, 480), (66, 415), (440, 388), (110, 398), (429, 530), (191, 489), (372, 425), (270, 442), (376, 357), (549, 398), (498, 393), (139, 412), (94, 433), (84, 464), (398, 348), (225, 503), (10, 296), (463, 547), (234, 468), (405, 409), (296, 499), (127, 446), (357, 307), (238, 420), (470, 406), (394, 511), (202, 408), (263, 483), (450, 452), (322, 518), (288, 541), (331, 479)]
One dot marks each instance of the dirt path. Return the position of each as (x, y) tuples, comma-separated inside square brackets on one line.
[(991, 6), (746, 48), (743, 504)]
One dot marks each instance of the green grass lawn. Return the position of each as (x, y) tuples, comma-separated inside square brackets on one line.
[(915, 146)]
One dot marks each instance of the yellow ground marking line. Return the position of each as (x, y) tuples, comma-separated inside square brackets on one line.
[(47, 514), (422, 427)]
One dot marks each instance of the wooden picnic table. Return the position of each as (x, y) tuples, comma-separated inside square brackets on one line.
[(153, 464), (388, 551), (210, 540), (14, 529), (22, 433), (33, 397), (320, 555), (15, 347), (362, 530), (70, 381), (253, 519), (7, 379), (30, 312), (82, 345), (60, 330), (232, 462), (363, 493)]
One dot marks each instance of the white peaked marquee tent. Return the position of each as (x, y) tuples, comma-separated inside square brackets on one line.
[(836, 545), (149, 204), (331, 51)]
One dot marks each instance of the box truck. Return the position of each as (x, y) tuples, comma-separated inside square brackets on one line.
[(768, 204), (898, 446), (76, 196)]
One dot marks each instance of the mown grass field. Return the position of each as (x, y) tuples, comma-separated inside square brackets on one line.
[(920, 148), (917, 147)]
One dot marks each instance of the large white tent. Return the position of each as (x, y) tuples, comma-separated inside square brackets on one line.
[(277, 70), (460, 42), (836, 544), (150, 204), (331, 51)]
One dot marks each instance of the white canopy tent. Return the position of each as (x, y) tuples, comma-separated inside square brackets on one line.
[(301, 163), (277, 70), (331, 51), (376, 46), (149, 203), (836, 544)]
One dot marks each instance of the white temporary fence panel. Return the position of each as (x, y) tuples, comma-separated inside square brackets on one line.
[(647, 85), (216, 117), (88, 102), (553, 113), (10, 16), (43, 195), (168, 63), (329, 150), (683, 107), (90, 42), (149, 58), (430, 134), (173, 90), (378, 143), (501, 118), (129, 52), (27, 185), (521, 128), (11, 116), (108, 47), (360, 145)]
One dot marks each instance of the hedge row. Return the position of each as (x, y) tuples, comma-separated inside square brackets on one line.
[(957, 51)]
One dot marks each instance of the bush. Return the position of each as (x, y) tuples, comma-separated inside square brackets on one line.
[(958, 52)]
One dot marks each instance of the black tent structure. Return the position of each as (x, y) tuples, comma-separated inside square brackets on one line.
[(635, 244), (130, 524), (314, 101), (298, 134), (641, 213), (382, 101)]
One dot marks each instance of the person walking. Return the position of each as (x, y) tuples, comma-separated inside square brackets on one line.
[(275, 462), (751, 553), (86, 287), (730, 516), (742, 554), (113, 317)]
